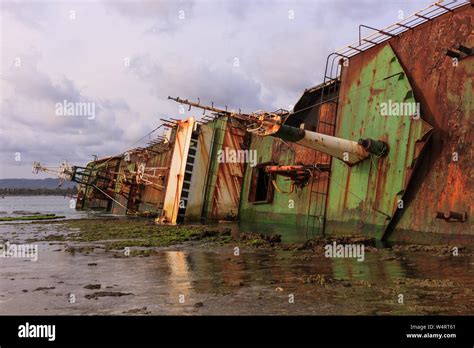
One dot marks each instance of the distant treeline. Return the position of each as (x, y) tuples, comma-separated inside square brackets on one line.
[(38, 192)]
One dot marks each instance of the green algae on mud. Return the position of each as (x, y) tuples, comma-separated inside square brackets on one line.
[(142, 236), (32, 217), (121, 233)]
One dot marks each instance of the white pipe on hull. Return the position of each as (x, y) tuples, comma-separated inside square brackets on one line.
[(346, 150)]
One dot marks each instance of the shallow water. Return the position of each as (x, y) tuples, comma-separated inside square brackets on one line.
[(211, 280), (25, 205)]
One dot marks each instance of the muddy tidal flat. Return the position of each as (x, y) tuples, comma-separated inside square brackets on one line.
[(112, 266)]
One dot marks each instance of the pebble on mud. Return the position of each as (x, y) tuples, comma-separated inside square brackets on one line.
[(41, 288), (142, 310), (92, 286), (391, 258), (320, 242), (439, 250), (260, 239), (98, 294), (429, 283), (320, 279)]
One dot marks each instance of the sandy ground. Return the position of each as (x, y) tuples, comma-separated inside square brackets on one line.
[(203, 276)]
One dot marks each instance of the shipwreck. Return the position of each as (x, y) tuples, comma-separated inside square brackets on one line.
[(381, 147)]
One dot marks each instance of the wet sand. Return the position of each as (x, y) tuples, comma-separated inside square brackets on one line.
[(204, 277)]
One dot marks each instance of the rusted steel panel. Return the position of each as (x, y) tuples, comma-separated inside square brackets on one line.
[(364, 198), (308, 111), (152, 198), (226, 196), (445, 90), (297, 213), (219, 128), (326, 125), (125, 190), (436, 173), (299, 209), (216, 184)]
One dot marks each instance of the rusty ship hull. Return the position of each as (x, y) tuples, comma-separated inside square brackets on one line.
[(421, 191)]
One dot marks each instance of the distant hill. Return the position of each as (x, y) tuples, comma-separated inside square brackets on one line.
[(49, 183)]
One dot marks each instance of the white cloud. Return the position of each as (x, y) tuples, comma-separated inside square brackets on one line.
[(83, 59)]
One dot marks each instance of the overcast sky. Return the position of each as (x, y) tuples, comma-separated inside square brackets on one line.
[(126, 57)]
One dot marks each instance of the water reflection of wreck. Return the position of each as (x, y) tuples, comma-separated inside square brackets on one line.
[(408, 178)]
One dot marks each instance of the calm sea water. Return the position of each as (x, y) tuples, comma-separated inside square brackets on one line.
[(216, 282), (26, 205)]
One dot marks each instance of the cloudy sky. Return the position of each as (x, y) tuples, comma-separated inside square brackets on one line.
[(126, 57)]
